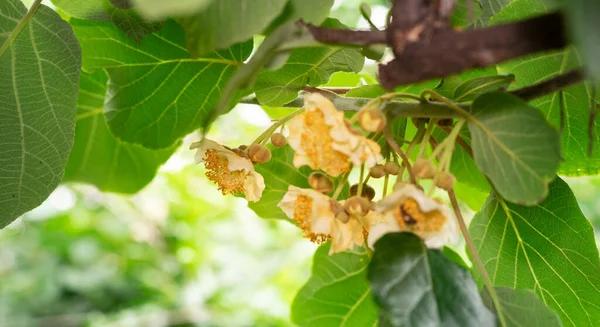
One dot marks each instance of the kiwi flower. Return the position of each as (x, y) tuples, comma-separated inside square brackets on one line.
[(409, 209), (323, 139), (233, 173)]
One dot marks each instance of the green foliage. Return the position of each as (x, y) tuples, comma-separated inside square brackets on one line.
[(337, 293), (98, 157), (514, 146), (127, 20), (522, 308), (157, 94), (305, 66), (473, 88), (584, 28), (39, 76), (416, 286), (548, 248)]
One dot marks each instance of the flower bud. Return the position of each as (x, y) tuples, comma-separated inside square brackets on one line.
[(377, 171), (320, 182), (392, 168), (243, 147), (445, 181), (278, 140), (423, 168), (258, 153), (357, 205), (367, 191), (371, 119), (343, 217)]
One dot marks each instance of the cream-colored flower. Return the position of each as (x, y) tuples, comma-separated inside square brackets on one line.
[(231, 172), (315, 213), (322, 139), (409, 209)]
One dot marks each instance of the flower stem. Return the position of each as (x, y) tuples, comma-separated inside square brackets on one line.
[(267, 133), (360, 180), (400, 153), (425, 140), (340, 186), (475, 256)]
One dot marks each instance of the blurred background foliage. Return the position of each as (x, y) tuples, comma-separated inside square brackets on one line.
[(177, 253)]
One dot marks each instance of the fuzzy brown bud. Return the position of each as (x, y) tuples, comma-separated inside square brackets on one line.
[(423, 168), (320, 182), (357, 205), (258, 153), (445, 181), (367, 191), (377, 171), (392, 168), (371, 119), (278, 140)]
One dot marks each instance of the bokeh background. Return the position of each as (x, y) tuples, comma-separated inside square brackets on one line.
[(177, 253)]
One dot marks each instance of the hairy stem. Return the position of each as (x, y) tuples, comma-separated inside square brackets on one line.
[(401, 153), (13, 35), (475, 256)]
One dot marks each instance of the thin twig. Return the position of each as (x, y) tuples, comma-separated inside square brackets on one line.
[(344, 36), (401, 153), (336, 90), (549, 86), (463, 144), (475, 256)]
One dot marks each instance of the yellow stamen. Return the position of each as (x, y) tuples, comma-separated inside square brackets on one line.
[(317, 143), (229, 182), (410, 217), (302, 216)]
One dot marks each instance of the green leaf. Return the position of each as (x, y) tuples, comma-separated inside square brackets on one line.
[(337, 293), (522, 308), (534, 68), (582, 18), (39, 77), (548, 247), (127, 20), (279, 173), (415, 286), (473, 88), (310, 11), (489, 8), (225, 22), (160, 9), (514, 146), (156, 93), (98, 157), (305, 66)]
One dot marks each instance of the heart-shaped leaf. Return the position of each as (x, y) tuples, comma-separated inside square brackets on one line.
[(522, 308), (39, 77)]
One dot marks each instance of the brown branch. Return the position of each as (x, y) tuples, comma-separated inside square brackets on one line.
[(348, 37), (549, 86), (336, 90), (446, 51), (396, 147)]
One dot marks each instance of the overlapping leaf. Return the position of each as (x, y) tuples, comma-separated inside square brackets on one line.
[(522, 308), (337, 293), (415, 286), (514, 146), (156, 93), (305, 66), (473, 88), (39, 76), (126, 19), (98, 157), (548, 248), (584, 27)]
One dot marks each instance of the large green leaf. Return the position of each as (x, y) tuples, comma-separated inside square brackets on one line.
[(534, 68), (156, 93), (475, 87), (305, 66), (310, 11), (415, 286), (225, 22), (514, 146), (279, 173), (549, 248), (159, 9), (98, 157), (128, 20), (522, 308), (584, 27), (39, 76), (337, 293), (489, 8)]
